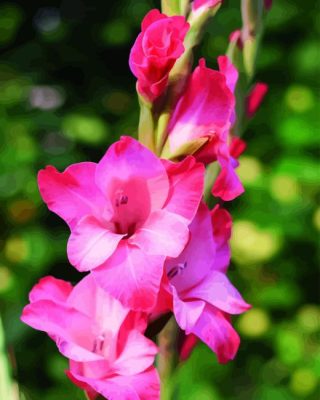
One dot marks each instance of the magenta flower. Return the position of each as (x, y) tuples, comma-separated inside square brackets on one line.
[(155, 52), (255, 98), (197, 4), (203, 297), (207, 110), (126, 214), (102, 339)]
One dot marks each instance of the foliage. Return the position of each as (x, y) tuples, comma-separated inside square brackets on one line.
[(66, 94)]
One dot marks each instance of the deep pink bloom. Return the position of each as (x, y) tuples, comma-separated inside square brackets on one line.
[(126, 214), (267, 4), (203, 297), (204, 109), (156, 50), (102, 339), (255, 98), (205, 3), (207, 110), (188, 344), (237, 147), (235, 36)]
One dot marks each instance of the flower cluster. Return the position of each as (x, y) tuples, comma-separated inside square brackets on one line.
[(140, 227)]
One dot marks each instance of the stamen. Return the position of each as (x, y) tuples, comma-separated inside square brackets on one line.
[(176, 270), (98, 343), (121, 199)]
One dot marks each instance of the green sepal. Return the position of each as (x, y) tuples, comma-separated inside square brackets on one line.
[(146, 125), (186, 149)]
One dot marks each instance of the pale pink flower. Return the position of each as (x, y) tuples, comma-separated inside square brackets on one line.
[(207, 110), (255, 98), (203, 297), (126, 214), (155, 52), (102, 339)]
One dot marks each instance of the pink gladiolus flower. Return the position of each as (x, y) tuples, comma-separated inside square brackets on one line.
[(126, 214), (255, 98), (204, 3), (207, 110), (155, 52), (102, 339), (203, 297)]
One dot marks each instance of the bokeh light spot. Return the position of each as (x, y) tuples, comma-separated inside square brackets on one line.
[(303, 382), (285, 188), (254, 323), (299, 98)]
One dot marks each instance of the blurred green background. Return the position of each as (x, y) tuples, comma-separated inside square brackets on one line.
[(66, 93)]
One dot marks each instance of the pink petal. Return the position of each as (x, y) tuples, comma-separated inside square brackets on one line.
[(143, 386), (217, 290), (186, 187), (197, 259), (151, 17), (106, 387), (50, 288), (163, 234), (91, 300), (221, 224), (69, 328), (196, 4), (237, 147), (146, 384), (227, 185), (204, 108), (91, 243), (137, 355), (255, 98), (164, 300), (128, 160), (235, 37), (131, 276), (189, 343), (187, 313), (229, 71), (90, 393), (72, 193), (215, 330)]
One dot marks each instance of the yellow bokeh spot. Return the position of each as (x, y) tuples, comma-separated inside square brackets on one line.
[(254, 323), (249, 170), (316, 218), (16, 250), (309, 318), (285, 188), (252, 245), (5, 278), (299, 98), (303, 382)]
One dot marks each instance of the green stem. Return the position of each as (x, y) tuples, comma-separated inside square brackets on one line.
[(167, 359), (146, 125), (6, 383)]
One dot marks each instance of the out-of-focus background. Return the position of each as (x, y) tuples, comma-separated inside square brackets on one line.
[(66, 93)]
